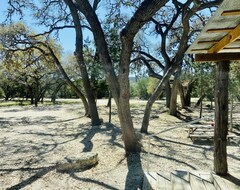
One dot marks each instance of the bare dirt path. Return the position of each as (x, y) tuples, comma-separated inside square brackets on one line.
[(33, 140)]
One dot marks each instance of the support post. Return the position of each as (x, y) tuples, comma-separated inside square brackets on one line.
[(221, 118)]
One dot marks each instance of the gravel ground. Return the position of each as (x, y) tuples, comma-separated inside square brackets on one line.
[(33, 140)]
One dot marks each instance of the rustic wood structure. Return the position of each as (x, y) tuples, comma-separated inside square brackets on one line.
[(219, 41), (189, 180), (203, 131)]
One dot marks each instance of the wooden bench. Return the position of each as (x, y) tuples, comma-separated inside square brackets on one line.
[(200, 136), (195, 136), (201, 128)]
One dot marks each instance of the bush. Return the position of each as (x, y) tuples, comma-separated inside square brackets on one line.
[(141, 89), (2, 94)]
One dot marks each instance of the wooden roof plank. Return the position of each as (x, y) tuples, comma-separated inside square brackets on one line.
[(217, 30), (229, 38), (208, 42), (231, 12), (217, 57), (219, 33)]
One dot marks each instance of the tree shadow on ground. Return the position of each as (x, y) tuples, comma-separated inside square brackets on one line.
[(234, 179), (99, 183), (135, 173), (39, 172), (184, 117), (114, 132)]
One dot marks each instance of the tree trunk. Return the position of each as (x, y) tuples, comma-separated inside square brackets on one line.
[(32, 100), (188, 94), (54, 94), (182, 95), (173, 102), (168, 94), (80, 59), (221, 118), (200, 100), (157, 92), (7, 96), (231, 115), (174, 93), (124, 113), (70, 83), (89, 92), (130, 140)]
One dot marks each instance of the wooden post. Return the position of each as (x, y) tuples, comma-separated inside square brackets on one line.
[(221, 118)]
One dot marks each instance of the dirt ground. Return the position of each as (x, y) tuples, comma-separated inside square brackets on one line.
[(33, 140)]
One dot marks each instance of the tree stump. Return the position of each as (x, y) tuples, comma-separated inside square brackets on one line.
[(82, 162)]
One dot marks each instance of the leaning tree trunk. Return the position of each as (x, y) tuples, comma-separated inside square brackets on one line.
[(199, 101), (80, 59), (221, 118), (157, 92), (70, 83), (74, 88)]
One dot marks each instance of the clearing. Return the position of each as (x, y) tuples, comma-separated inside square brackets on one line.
[(34, 139)]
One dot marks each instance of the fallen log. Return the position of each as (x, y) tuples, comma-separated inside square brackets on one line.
[(81, 162)]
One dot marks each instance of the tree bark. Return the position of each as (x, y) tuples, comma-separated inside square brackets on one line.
[(174, 93), (185, 94), (157, 92), (168, 92), (221, 118), (54, 94), (231, 114), (173, 101), (199, 101), (188, 94), (74, 88), (182, 95), (68, 80), (80, 59)]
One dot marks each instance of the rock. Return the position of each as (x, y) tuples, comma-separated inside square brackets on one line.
[(82, 162)]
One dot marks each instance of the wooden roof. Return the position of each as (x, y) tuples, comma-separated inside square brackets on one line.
[(220, 38)]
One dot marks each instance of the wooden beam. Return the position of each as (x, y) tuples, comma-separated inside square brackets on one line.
[(217, 57), (217, 30), (212, 41), (234, 49), (229, 38), (199, 50), (208, 42), (231, 13), (221, 118)]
